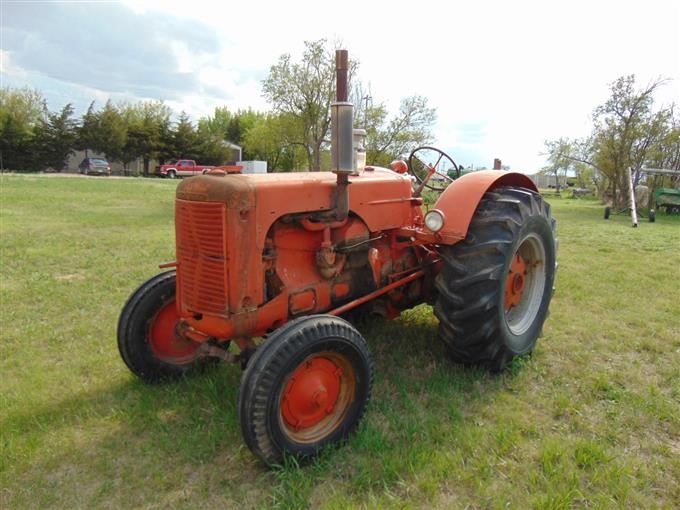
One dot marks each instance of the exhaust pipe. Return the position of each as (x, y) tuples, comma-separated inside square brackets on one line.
[(342, 151)]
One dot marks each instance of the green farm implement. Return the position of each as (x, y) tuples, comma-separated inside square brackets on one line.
[(669, 199)]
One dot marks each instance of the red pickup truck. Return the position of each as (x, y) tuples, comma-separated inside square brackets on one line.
[(181, 168)]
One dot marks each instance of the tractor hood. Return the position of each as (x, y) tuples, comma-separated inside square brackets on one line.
[(381, 197), (235, 189)]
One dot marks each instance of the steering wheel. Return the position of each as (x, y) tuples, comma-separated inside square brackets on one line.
[(421, 167)]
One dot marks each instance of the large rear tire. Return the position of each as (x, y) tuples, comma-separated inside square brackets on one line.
[(147, 340), (495, 286), (305, 388)]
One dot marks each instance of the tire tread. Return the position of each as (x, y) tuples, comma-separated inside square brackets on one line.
[(470, 283)]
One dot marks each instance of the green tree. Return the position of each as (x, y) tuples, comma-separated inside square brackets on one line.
[(15, 146), (227, 126), (620, 126), (146, 123), (56, 137), (273, 139), (88, 130), (396, 138), (184, 138), (112, 132), (302, 92), (218, 125), (214, 135), (211, 148), (230, 126), (243, 122), (104, 131), (305, 90), (576, 155), (166, 144), (130, 151), (561, 159), (21, 111), (627, 133)]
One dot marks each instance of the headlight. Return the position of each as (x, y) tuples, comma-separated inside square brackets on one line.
[(434, 220)]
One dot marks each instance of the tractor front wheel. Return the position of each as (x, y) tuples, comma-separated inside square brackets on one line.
[(496, 285), (147, 339), (305, 388)]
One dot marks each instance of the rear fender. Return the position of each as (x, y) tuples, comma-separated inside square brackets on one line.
[(459, 200)]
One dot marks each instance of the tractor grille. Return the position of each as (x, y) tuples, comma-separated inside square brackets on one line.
[(201, 256)]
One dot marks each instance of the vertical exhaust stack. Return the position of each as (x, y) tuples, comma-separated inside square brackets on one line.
[(342, 151)]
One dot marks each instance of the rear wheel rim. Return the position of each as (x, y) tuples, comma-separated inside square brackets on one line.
[(525, 285), (316, 397), (164, 341)]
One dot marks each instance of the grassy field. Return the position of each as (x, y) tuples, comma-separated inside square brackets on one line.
[(592, 419)]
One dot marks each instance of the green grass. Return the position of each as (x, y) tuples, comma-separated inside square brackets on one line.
[(592, 419)]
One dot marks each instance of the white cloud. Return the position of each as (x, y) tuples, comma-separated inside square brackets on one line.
[(7, 68), (503, 76)]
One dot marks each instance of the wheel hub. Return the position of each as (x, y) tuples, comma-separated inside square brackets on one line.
[(515, 282), (311, 393), (165, 343)]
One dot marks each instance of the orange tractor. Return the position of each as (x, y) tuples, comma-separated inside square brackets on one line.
[(266, 265)]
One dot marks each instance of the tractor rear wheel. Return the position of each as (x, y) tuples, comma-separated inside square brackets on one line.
[(305, 388), (147, 340), (495, 286)]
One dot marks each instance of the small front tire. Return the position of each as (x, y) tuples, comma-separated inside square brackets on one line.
[(305, 388), (147, 339)]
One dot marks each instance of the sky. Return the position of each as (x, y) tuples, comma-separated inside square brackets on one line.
[(503, 76)]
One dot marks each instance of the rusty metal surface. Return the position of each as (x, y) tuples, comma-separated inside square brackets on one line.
[(201, 258), (268, 227), (341, 74), (384, 290), (388, 194)]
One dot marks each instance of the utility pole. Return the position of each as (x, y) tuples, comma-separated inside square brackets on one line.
[(633, 211)]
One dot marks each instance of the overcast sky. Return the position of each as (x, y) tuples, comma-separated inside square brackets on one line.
[(503, 75)]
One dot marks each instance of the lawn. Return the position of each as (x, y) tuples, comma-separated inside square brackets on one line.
[(592, 419)]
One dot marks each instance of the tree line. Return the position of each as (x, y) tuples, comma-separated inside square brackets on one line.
[(293, 135), (629, 131), (32, 138)]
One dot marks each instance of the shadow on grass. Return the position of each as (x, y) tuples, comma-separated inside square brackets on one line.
[(189, 417), (423, 419), (422, 404)]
